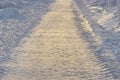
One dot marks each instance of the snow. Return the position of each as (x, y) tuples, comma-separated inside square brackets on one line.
[(104, 22), (105, 18), (17, 17)]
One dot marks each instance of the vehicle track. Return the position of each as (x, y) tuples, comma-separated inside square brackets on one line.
[(99, 50), (55, 50)]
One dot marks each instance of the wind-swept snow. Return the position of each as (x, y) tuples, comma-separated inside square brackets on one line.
[(74, 43), (54, 50), (103, 18), (17, 17)]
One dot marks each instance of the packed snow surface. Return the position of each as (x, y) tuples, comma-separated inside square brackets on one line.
[(100, 28), (17, 17), (105, 22)]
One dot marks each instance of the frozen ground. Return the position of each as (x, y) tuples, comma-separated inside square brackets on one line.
[(105, 24), (17, 17)]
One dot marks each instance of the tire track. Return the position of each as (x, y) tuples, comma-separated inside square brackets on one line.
[(107, 56), (92, 39), (55, 50)]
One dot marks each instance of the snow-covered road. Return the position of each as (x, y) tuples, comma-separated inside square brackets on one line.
[(56, 50)]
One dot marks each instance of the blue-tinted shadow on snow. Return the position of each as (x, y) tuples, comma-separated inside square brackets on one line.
[(107, 53)]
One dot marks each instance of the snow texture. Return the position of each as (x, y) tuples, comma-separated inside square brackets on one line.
[(103, 18), (18, 17)]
